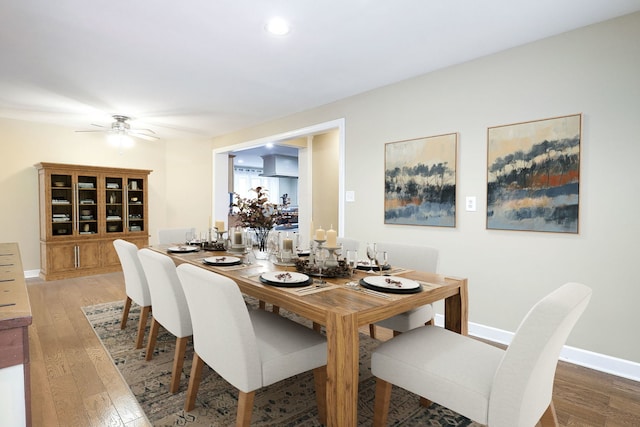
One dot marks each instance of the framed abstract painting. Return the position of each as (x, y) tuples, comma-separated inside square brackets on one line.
[(420, 181), (533, 175)]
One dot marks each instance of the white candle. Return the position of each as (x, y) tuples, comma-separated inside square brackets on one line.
[(332, 238), (237, 238), (220, 226), (320, 234), (287, 244)]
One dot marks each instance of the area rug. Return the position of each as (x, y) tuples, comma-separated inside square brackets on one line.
[(288, 403)]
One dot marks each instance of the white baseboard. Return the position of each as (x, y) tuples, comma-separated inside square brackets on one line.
[(30, 274), (599, 362)]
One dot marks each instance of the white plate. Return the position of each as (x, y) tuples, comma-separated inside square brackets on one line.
[(285, 277), (222, 260), (391, 282), (183, 249)]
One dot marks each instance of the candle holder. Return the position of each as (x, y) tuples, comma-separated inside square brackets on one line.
[(284, 254), (332, 259), (237, 239)]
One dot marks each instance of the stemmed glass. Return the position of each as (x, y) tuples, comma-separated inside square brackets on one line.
[(385, 261), (320, 261), (372, 254), (352, 261)]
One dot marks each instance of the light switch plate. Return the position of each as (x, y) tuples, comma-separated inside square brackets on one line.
[(471, 204), (350, 196)]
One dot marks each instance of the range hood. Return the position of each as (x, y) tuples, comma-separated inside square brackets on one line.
[(279, 166)]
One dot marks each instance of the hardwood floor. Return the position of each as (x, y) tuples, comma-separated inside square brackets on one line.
[(74, 382)]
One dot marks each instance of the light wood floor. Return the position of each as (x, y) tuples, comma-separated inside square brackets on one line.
[(74, 382)]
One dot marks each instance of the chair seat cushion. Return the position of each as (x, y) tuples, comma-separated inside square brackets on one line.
[(286, 348), (408, 320), (436, 365)]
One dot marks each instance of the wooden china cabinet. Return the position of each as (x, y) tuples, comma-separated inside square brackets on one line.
[(83, 209)]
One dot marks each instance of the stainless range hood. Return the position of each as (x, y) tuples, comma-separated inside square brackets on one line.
[(279, 166)]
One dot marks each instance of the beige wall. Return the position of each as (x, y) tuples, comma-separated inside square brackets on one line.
[(179, 186), (325, 180), (593, 71)]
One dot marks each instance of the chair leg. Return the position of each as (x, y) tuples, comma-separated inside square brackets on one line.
[(153, 336), (381, 405), (125, 313), (262, 305), (142, 325), (372, 331), (317, 327), (396, 333), (178, 362), (425, 402), (320, 380), (549, 418), (245, 408), (194, 382), (276, 309)]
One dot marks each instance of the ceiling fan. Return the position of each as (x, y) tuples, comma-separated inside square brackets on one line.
[(121, 126)]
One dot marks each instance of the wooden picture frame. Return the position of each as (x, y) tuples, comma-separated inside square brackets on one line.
[(420, 181), (533, 175)]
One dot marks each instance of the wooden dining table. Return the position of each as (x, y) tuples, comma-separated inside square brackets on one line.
[(341, 309)]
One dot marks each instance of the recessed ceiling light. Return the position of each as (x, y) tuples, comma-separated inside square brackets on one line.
[(278, 27)]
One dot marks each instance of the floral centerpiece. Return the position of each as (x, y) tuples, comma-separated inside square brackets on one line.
[(256, 213)]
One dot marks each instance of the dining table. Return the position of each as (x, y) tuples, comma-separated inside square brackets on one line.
[(341, 306)]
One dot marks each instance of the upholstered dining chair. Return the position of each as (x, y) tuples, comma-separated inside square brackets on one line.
[(260, 347), (136, 286), (168, 236), (416, 257), (498, 388), (170, 308)]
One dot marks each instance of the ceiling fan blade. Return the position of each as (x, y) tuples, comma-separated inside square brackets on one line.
[(142, 130), (144, 136), (100, 126)]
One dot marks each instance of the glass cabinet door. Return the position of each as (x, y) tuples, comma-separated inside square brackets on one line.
[(87, 205), (114, 205), (62, 198), (135, 205)]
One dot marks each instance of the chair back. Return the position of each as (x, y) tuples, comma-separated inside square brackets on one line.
[(417, 257), (170, 307), (348, 244), (168, 236), (135, 281), (223, 335), (523, 383)]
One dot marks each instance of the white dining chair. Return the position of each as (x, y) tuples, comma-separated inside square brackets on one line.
[(136, 287), (348, 244), (491, 386), (170, 308), (417, 257), (259, 347), (168, 236)]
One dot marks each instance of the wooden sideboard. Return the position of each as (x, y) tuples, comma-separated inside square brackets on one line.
[(15, 318)]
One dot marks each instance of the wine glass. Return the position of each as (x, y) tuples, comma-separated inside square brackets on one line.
[(352, 262), (320, 262), (372, 254), (385, 261)]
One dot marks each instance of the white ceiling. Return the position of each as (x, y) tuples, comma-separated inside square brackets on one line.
[(207, 67)]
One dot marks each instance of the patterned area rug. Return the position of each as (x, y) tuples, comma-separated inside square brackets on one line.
[(287, 403)]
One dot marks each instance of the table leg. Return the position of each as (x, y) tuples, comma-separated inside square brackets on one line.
[(456, 311), (342, 370)]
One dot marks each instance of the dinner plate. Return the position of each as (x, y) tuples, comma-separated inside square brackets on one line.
[(289, 279), (391, 284), (183, 249), (222, 260), (366, 265)]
